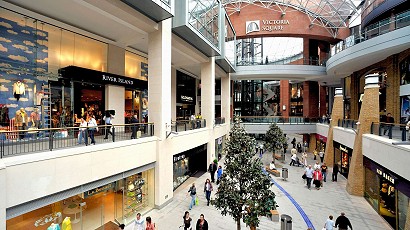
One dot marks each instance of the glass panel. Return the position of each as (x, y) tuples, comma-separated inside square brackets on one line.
[(229, 42), (371, 190), (387, 202), (403, 207), (203, 15)]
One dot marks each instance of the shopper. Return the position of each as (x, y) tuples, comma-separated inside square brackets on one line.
[(192, 121), (304, 159), (317, 178), (135, 127), (299, 147), (329, 224), (108, 118), (202, 224), (322, 155), (293, 142), (316, 166), (150, 224), (219, 174), (387, 127), (212, 169), (187, 221), (192, 193), (335, 172), (324, 171), (207, 190), (343, 222), (309, 176), (261, 150), (293, 158), (82, 132), (92, 128), (305, 146), (138, 222)]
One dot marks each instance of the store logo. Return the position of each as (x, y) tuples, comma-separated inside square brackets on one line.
[(178, 158), (385, 176), (187, 98), (117, 79), (252, 26), (344, 149)]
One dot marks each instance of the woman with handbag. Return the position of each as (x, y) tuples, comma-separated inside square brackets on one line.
[(317, 177), (192, 193), (208, 189), (92, 128)]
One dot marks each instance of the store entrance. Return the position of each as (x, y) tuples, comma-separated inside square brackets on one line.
[(61, 106), (132, 105), (184, 111), (387, 204), (89, 100)]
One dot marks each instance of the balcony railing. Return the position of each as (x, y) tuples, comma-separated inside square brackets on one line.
[(219, 120), (36, 140), (374, 30), (279, 120), (347, 123), (297, 59), (392, 131), (185, 125)]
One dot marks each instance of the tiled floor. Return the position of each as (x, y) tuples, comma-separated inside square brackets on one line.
[(317, 204)]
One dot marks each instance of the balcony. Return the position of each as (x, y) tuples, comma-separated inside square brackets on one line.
[(157, 10)]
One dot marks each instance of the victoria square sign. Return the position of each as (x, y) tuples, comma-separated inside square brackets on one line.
[(267, 25)]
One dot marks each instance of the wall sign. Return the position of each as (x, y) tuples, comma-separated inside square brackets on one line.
[(385, 175), (179, 157), (187, 98), (104, 188), (109, 78), (342, 148), (268, 25)]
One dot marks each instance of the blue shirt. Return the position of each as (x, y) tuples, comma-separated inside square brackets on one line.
[(219, 173), (309, 173), (329, 224), (107, 120)]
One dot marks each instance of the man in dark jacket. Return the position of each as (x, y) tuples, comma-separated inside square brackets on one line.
[(212, 169), (335, 172), (343, 222), (135, 128)]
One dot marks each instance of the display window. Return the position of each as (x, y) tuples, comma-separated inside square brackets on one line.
[(342, 157), (181, 172), (116, 202)]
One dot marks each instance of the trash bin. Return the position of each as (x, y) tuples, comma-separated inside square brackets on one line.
[(285, 173), (285, 222)]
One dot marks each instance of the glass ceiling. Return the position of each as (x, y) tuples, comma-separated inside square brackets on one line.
[(330, 14)]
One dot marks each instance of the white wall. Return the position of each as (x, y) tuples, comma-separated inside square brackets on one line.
[(396, 158), (344, 136), (46, 173), (261, 128), (115, 99), (322, 129)]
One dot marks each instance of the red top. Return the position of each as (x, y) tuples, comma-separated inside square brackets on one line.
[(317, 175)]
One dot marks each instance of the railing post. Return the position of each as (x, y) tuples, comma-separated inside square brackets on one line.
[(176, 126), (185, 125), (390, 131), (50, 140), (371, 128), (113, 133), (204, 123), (380, 129), (86, 136), (403, 133)]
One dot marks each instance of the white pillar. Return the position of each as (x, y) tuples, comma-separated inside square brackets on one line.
[(3, 197), (226, 97), (197, 108), (173, 94), (208, 102), (115, 100), (159, 95), (115, 95)]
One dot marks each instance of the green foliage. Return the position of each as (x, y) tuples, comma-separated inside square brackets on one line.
[(243, 183), (216, 161), (274, 138)]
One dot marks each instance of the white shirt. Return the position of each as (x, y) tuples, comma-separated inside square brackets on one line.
[(321, 153), (329, 224), (293, 156), (139, 224), (316, 166), (272, 166), (19, 88)]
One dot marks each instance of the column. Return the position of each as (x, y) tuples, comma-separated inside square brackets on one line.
[(369, 113), (393, 89), (115, 95), (337, 113), (284, 98), (173, 94), (197, 107), (322, 100), (226, 98), (208, 102), (159, 94), (310, 99), (3, 197)]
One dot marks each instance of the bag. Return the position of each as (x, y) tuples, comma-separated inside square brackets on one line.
[(196, 200), (304, 176)]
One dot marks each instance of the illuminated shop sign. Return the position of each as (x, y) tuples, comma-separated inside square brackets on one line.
[(385, 175), (98, 190), (267, 25), (187, 98), (178, 158), (117, 80)]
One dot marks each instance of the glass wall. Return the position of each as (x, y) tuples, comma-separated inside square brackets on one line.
[(136, 66), (403, 204), (296, 99), (203, 15), (229, 41), (118, 201)]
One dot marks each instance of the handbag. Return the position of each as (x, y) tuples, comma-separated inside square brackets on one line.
[(196, 200), (304, 176)]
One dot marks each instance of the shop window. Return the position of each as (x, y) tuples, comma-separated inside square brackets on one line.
[(387, 204), (404, 69), (403, 205), (371, 190), (136, 66), (181, 172)]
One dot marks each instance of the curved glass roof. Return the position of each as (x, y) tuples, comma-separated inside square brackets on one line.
[(330, 14)]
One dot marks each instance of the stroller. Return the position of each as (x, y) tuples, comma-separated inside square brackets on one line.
[(298, 162)]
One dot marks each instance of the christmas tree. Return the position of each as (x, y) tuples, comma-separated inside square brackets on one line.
[(274, 139)]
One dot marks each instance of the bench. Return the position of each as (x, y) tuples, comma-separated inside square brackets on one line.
[(274, 215), (278, 157), (274, 172)]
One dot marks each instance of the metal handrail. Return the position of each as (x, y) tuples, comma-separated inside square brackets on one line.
[(392, 130), (185, 125)]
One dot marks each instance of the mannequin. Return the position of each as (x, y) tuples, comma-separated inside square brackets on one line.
[(54, 227), (35, 118), (18, 89), (21, 121)]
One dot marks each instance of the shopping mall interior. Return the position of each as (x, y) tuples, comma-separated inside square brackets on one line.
[(113, 108)]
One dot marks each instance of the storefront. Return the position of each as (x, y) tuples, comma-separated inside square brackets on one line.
[(188, 163), (219, 144), (342, 157), (321, 142), (296, 100), (387, 193), (116, 201), (186, 96)]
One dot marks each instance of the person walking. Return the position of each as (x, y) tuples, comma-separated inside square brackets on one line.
[(82, 131), (192, 193), (343, 222), (329, 223), (323, 169), (187, 221), (305, 146), (135, 127), (108, 118), (219, 174), (304, 159), (317, 178), (387, 127), (299, 147), (260, 150), (293, 158), (207, 190), (202, 224), (92, 128), (321, 155), (138, 222), (293, 142), (212, 169), (335, 172), (316, 166), (309, 176), (192, 121), (150, 224)]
